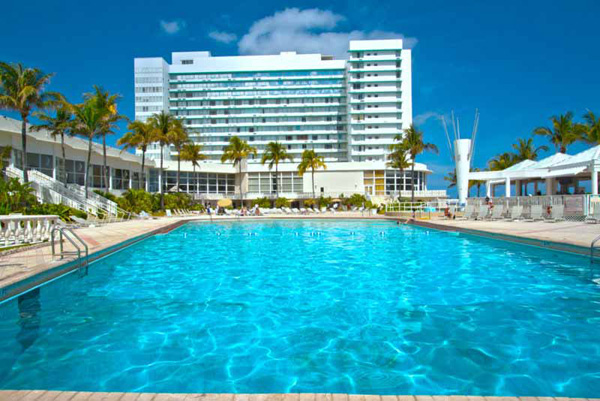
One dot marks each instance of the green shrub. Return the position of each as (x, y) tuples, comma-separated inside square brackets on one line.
[(309, 203), (136, 201), (325, 202), (356, 200), (178, 201), (263, 203), (62, 211), (282, 202), (107, 195), (15, 197)]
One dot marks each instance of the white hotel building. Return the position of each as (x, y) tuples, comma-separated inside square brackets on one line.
[(348, 111)]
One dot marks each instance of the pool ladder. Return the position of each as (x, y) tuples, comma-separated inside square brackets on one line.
[(75, 240)]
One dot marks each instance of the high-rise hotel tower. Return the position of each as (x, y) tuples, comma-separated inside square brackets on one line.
[(346, 110)]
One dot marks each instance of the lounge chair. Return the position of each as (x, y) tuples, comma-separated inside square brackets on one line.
[(557, 213), (168, 213), (516, 213), (535, 213), (469, 212), (497, 212), (483, 212), (595, 216)]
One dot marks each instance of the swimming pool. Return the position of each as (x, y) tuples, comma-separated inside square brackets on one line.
[(312, 306)]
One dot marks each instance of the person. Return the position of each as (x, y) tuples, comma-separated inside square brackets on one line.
[(208, 210), (448, 214), (539, 193), (256, 210), (487, 200)]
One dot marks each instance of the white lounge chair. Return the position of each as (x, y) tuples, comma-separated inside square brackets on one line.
[(557, 213), (535, 213), (497, 212), (168, 213), (483, 212), (595, 216), (516, 213), (469, 212)]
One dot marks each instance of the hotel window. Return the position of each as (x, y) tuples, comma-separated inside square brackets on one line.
[(97, 177), (187, 61), (75, 172)]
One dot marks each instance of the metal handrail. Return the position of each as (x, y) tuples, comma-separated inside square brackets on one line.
[(592, 249), (62, 231)]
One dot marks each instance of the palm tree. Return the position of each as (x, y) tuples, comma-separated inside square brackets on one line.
[(414, 145), (58, 126), (107, 105), (563, 131), (141, 135), (274, 154), (192, 152), (310, 160), (476, 183), (236, 151), (524, 150), (178, 137), (451, 178), (22, 91), (502, 161), (87, 123), (398, 158), (592, 129), (163, 124)]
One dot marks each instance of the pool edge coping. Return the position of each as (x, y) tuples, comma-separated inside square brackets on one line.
[(27, 284)]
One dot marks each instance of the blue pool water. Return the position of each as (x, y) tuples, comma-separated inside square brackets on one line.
[(312, 306)]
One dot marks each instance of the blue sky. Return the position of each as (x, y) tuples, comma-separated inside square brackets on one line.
[(519, 62)]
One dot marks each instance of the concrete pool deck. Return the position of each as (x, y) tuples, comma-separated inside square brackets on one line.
[(36, 395)]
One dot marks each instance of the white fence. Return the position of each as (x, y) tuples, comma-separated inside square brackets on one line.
[(18, 229)]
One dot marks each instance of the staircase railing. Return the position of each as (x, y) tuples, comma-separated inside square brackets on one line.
[(74, 240)]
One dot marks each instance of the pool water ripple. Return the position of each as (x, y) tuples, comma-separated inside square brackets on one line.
[(312, 306)]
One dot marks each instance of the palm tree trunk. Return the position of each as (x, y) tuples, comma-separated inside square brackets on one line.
[(162, 197), (241, 193), (478, 187), (178, 168), (104, 161), (197, 179), (412, 188), (62, 175), (24, 145), (142, 178), (276, 181), (313, 184), (87, 166)]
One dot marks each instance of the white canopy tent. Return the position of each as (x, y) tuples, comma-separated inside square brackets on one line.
[(582, 166)]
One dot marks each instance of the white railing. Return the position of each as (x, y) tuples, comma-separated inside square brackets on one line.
[(18, 229), (435, 206), (50, 190)]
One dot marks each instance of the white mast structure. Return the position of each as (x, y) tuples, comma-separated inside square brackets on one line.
[(462, 154)]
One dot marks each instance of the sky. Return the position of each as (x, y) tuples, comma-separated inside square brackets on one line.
[(518, 62)]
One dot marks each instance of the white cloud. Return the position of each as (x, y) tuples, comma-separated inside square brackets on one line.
[(223, 37), (306, 31), (172, 27), (424, 117)]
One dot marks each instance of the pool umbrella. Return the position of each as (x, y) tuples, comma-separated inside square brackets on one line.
[(224, 202)]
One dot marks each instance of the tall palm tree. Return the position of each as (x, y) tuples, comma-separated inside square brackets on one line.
[(140, 135), (310, 160), (591, 134), (451, 178), (178, 137), (87, 122), (415, 145), (502, 161), (22, 91), (236, 151), (274, 154), (398, 158), (563, 131), (107, 105), (192, 152), (163, 124), (525, 150), (58, 126)]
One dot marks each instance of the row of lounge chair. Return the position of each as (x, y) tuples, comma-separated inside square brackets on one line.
[(536, 213), (180, 212)]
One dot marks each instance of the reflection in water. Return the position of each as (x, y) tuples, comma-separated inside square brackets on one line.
[(29, 320)]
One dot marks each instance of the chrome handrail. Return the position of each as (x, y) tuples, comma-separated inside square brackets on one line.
[(63, 233), (592, 249)]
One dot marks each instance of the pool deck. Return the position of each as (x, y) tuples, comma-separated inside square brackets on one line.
[(86, 396), (569, 236)]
